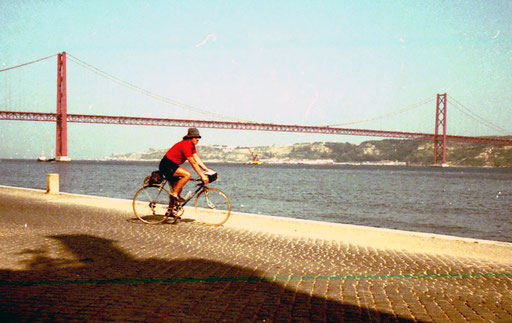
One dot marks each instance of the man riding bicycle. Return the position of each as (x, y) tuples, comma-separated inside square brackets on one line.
[(177, 155)]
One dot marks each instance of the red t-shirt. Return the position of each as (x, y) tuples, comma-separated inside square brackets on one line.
[(181, 151)]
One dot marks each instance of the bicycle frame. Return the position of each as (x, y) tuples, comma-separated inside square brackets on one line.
[(206, 207), (201, 187)]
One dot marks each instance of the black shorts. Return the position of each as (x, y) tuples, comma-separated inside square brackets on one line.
[(167, 167)]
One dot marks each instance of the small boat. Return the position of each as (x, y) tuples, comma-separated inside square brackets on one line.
[(440, 165), (42, 158), (255, 159)]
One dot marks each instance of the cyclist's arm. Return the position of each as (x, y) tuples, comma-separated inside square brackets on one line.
[(200, 162), (197, 168)]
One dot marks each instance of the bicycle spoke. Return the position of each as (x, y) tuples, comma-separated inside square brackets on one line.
[(150, 204)]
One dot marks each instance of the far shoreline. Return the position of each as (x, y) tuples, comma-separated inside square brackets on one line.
[(280, 163)]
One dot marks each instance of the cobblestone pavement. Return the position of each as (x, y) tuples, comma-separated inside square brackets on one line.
[(62, 263)]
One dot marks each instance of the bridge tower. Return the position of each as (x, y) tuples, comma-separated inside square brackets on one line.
[(440, 154), (61, 153)]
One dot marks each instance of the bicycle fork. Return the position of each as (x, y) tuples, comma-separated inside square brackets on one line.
[(208, 201)]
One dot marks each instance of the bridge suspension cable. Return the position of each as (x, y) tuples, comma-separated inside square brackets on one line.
[(148, 93), (460, 107), (456, 104), (31, 62), (382, 116)]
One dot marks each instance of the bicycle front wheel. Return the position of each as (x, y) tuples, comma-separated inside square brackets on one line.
[(212, 207), (150, 204)]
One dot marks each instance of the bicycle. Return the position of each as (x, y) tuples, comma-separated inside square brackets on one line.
[(153, 204)]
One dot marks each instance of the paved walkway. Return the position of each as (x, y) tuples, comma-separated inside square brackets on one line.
[(62, 261)]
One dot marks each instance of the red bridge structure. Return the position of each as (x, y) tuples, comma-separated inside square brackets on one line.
[(61, 118)]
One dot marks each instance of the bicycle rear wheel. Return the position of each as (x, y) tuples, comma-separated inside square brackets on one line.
[(212, 207), (150, 204)]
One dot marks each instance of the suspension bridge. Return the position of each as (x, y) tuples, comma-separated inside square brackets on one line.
[(61, 117)]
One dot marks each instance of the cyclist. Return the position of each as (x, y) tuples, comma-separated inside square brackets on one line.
[(177, 155)]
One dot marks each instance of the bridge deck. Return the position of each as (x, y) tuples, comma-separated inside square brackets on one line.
[(142, 121), (68, 257)]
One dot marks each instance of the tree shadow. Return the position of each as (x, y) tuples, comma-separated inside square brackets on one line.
[(103, 282)]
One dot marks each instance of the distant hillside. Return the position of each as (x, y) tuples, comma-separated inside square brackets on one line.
[(410, 152)]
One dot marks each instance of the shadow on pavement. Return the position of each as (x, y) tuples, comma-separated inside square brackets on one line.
[(105, 283)]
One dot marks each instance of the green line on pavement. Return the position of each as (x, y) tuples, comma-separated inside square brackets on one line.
[(234, 279)]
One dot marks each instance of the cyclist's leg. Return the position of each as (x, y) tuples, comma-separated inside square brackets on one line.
[(184, 176)]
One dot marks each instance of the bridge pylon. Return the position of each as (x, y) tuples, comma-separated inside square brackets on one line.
[(440, 154), (61, 151)]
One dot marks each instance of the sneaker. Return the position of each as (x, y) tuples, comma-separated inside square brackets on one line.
[(179, 198)]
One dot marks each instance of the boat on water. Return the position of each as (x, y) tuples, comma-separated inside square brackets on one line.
[(255, 159), (440, 165), (42, 158)]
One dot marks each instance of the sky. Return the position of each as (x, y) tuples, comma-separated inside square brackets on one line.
[(290, 62)]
